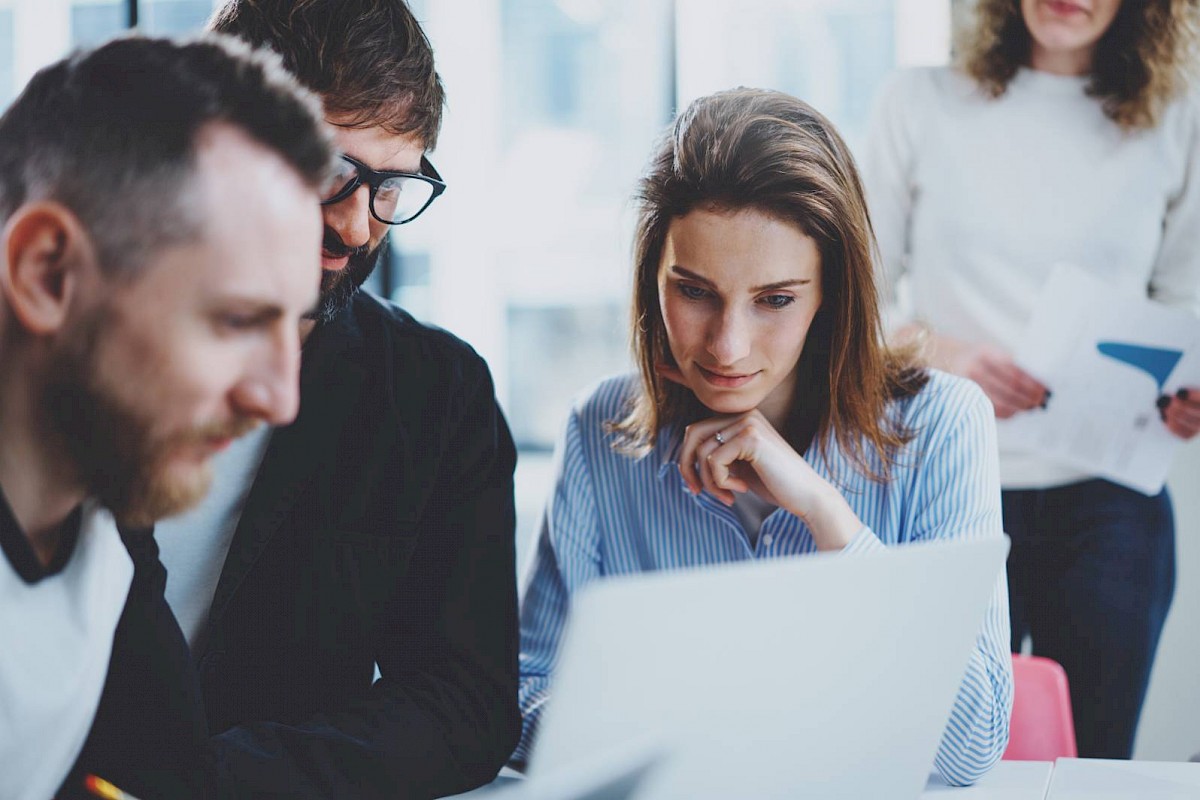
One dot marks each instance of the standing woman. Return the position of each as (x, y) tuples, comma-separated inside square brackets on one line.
[(1065, 134), (767, 419)]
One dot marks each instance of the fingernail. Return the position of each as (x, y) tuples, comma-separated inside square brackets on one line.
[(1162, 403), (1182, 394), (1045, 402), (1048, 393)]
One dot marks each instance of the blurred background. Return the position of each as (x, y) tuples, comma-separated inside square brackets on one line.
[(553, 107)]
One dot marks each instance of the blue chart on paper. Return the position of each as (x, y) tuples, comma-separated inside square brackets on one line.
[(1156, 361)]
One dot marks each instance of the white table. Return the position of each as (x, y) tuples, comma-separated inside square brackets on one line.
[(1008, 780), (1097, 779), (1067, 779)]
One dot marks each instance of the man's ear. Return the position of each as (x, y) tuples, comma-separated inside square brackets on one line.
[(45, 249)]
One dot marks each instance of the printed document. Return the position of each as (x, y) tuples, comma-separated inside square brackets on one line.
[(1106, 357)]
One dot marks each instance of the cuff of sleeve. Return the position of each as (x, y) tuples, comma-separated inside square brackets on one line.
[(865, 541)]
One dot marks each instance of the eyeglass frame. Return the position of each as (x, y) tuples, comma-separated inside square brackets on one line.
[(372, 178)]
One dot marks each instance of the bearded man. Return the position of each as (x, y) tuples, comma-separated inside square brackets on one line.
[(160, 237), (349, 587)]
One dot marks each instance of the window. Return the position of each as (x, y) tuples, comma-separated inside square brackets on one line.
[(6, 55), (34, 33), (553, 108), (94, 21), (173, 17)]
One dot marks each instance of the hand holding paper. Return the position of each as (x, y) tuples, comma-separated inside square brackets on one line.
[(1108, 357)]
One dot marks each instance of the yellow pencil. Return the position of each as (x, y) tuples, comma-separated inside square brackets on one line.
[(104, 789)]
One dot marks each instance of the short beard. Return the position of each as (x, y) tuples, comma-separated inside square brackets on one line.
[(338, 288), (110, 444)]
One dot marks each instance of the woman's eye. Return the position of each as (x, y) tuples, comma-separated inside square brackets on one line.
[(692, 292), (778, 300)]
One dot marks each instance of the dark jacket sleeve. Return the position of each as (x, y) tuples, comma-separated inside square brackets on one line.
[(443, 717)]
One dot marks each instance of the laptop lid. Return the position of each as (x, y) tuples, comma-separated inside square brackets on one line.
[(825, 675)]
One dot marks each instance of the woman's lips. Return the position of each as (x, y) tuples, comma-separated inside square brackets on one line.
[(1064, 9), (726, 380)]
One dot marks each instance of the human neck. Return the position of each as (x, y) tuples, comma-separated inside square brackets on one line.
[(307, 326), (1074, 63), (775, 408), (40, 488)]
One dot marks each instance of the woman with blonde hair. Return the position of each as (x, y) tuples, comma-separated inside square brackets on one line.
[(766, 419), (1065, 134)]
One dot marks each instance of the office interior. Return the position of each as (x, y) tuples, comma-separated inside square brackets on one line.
[(552, 109)]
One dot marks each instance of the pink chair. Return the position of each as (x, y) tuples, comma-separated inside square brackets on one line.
[(1041, 728)]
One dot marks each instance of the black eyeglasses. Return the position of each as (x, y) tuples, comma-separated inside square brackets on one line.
[(396, 197)]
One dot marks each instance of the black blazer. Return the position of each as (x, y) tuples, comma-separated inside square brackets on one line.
[(379, 530), (148, 736)]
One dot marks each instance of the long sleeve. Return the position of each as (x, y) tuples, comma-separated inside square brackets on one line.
[(443, 716), (887, 175), (957, 496), (567, 557), (1175, 280)]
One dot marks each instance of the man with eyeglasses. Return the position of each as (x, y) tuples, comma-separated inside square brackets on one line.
[(377, 530)]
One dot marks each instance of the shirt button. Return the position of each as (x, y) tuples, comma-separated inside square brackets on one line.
[(767, 539)]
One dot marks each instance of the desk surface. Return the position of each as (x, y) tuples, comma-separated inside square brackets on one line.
[(1068, 779), (1008, 780), (1096, 779)]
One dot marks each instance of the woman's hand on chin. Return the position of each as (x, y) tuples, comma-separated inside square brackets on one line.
[(729, 453)]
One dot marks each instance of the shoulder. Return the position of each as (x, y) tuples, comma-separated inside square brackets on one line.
[(945, 405), (409, 352), (925, 86), (916, 101), (1180, 124), (587, 430), (605, 401)]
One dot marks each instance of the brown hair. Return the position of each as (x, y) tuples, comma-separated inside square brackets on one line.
[(768, 151), (1140, 64), (368, 59)]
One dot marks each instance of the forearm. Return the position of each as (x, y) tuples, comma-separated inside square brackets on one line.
[(534, 692), (418, 737), (833, 523), (977, 733)]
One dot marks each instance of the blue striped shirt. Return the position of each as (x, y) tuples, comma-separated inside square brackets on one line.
[(612, 515)]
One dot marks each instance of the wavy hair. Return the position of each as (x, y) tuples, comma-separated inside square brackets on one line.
[(768, 151), (1141, 63)]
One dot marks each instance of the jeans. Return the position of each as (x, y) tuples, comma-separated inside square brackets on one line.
[(1090, 578)]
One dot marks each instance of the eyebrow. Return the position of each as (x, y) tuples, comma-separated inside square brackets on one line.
[(373, 168), (766, 287), (258, 309)]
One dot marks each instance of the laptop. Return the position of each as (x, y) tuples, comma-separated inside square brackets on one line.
[(820, 676)]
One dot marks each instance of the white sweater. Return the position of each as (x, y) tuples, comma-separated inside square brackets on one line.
[(973, 199)]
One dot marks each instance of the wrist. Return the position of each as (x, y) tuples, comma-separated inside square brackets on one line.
[(832, 522)]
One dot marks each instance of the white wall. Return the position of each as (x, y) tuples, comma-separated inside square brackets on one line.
[(1170, 727)]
